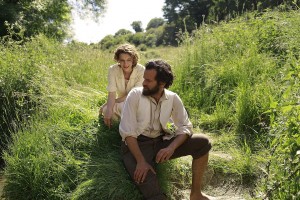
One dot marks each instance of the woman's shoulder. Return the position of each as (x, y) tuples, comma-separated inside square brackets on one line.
[(114, 67), (136, 91), (139, 68)]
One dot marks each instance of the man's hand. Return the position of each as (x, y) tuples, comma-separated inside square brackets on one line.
[(164, 154), (141, 171)]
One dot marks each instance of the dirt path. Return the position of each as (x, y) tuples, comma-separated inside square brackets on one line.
[(227, 196), (216, 190), (218, 194)]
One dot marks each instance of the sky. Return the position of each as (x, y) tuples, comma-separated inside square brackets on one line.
[(119, 14)]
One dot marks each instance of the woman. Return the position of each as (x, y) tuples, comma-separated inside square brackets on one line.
[(122, 77)]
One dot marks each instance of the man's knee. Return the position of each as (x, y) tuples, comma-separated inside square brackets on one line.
[(202, 144)]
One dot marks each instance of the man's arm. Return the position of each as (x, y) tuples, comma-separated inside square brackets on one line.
[(142, 167), (184, 126)]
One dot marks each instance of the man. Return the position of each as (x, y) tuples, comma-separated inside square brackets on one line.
[(150, 137)]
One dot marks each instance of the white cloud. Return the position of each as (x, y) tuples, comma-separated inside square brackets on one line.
[(120, 14)]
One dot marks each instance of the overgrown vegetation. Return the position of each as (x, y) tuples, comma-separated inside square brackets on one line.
[(49, 17), (239, 81), (186, 16), (242, 78)]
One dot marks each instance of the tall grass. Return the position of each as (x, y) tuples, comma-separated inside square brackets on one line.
[(65, 151), (237, 79), (221, 66), (239, 76)]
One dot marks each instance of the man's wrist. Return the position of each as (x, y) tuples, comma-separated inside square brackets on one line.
[(140, 160)]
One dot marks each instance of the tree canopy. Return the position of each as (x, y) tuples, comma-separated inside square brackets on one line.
[(50, 17), (137, 26), (155, 22)]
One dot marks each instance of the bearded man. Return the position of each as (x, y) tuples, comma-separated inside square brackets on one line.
[(155, 127)]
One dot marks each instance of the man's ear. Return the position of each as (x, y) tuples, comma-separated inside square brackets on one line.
[(162, 84)]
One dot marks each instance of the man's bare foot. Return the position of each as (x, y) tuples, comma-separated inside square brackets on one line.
[(199, 197)]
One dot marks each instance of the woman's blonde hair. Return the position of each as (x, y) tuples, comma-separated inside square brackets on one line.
[(129, 49)]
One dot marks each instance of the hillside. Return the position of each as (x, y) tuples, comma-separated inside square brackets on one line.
[(239, 81)]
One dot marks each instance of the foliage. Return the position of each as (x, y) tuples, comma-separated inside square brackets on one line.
[(106, 174), (20, 87), (188, 15), (122, 32), (283, 169), (88, 7), (155, 23), (21, 78), (137, 26), (61, 151), (239, 80), (49, 17), (243, 78)]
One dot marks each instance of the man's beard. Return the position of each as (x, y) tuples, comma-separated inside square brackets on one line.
[(149, 92)]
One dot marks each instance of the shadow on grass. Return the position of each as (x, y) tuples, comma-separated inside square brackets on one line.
[(106, 174), (107, 178)]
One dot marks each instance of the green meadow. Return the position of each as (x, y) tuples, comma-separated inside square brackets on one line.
[(239, 81)]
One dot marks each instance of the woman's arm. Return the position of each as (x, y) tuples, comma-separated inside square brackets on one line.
[(120, 99), (111, 100)]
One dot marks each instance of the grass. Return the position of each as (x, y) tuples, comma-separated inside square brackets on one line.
[(238, 80)]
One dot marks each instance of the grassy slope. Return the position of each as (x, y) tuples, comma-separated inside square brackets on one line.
[(241, 79), (226, 78)]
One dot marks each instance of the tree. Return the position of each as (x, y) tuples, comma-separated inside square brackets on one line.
[(155, 22), (186, 14), (155, 36), (183, 15), (107, 42), (137, 38), (50, 17), (137, 26), (122, 32)]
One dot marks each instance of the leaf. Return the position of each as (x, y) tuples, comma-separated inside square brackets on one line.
[(286, 109), (273, 104)]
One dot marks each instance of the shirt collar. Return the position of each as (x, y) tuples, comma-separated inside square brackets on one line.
[(162, 98)]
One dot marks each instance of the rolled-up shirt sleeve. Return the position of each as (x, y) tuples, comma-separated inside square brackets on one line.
[(128, 124), (180, 118), (111, 77)]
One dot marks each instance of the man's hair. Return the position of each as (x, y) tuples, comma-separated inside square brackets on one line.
[(163, 71), (129, 49)]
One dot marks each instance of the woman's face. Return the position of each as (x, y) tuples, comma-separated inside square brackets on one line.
[(125, 61)]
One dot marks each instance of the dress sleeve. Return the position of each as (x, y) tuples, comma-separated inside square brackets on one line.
[(181, 118), (112, 85), (140, 77), (128, 123)]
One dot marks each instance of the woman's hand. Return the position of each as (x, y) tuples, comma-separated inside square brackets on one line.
[(107, 118), (101, 109)]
